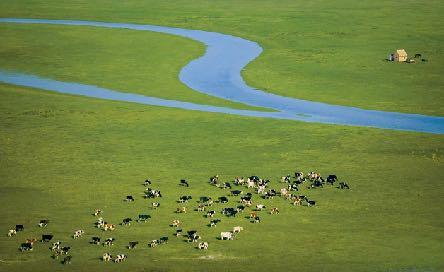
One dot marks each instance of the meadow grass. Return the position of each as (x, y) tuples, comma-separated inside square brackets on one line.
[(64, 156), (317, 50)]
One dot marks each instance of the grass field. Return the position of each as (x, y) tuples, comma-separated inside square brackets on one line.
[(63, 156)]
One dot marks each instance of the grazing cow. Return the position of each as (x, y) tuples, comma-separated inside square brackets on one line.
[(26, 247), (19, 228), (43, 223), (226, 185), (143, 218), (154, 243), (175, 223), (12, 232), (129, 198), (47, 237), (97, 212), (214, 179), (240, 208), (343, 185), (316, 184), (108, 227), (67, 260), (126, 221), (192, 236), (204, 199), (178, 232), (260, 207), (256, 220), (65, 250), (226, 235), (56, 246), (95, 240), (250, 183), (132, 245), (109, 242), (147, 182), (99, 223), (214, 222), (239, 181), (185, 183), (163, 240), (211, 214), (293, 187), (261, 189), (236, 192), (155, 205), (181, 210), (237, 229), (332, 179), (184, 199), (274, 211), (78, 234), (229, 211), (106, 257), (223, 199), (311, 203), (270, 194), (253, 215), (120, 258), (203, 245)]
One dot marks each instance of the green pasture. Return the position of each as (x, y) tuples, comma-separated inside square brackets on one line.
[(62, 156)]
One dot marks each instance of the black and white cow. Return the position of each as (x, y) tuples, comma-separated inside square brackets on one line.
[(129, 198), (67, 260), (184, 199), (43, 223), (132, 245), (343, 185), (185, 183), (143, 218), (26, 247), (163, 240), (95, 240), (120, 258), (19, 228), (126, 221), (331, 179), (211, 213), (223, 199), (109, 242), (214, 222), (155, 205)]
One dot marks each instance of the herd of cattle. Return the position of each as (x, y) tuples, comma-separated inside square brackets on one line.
[(245, 202)]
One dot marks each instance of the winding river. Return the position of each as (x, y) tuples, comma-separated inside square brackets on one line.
[(218, 73)]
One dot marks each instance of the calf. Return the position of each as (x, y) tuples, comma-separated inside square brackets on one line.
[(175, 223), (203, 245), (155, 205), (226, 236), (106, 257), (120, 258), (129, 198), (237, 229), (43, 223), (12, 232), (127, 221), (78, 234), (260, 207), (211, 214), (47, 237), (181, 210), (185, 183), (214, 222), (132, 245), (274, 211)]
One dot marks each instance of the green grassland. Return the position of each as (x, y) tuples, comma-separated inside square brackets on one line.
[(63, 156), (329, 51)]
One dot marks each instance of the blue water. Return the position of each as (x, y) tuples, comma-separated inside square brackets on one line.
[(217, 73)]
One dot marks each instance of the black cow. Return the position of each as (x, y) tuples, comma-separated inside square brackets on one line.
[(67, 260), (343, 185), (331, 179), (129, 198), (316, 184), (127, 221), (236, 192), (204, 199), (185, 183), (417, 55), (223, 199), (19, 228), (26, 247), (132, 245), (163, 240), (95, 240), (47, 237), (143, 217)]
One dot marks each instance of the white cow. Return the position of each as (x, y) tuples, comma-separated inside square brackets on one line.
[(12, 232), (260, 207), (237, 229), (226, 235), (106, 257)]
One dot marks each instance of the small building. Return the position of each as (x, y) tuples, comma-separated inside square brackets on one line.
[(400, 55)]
